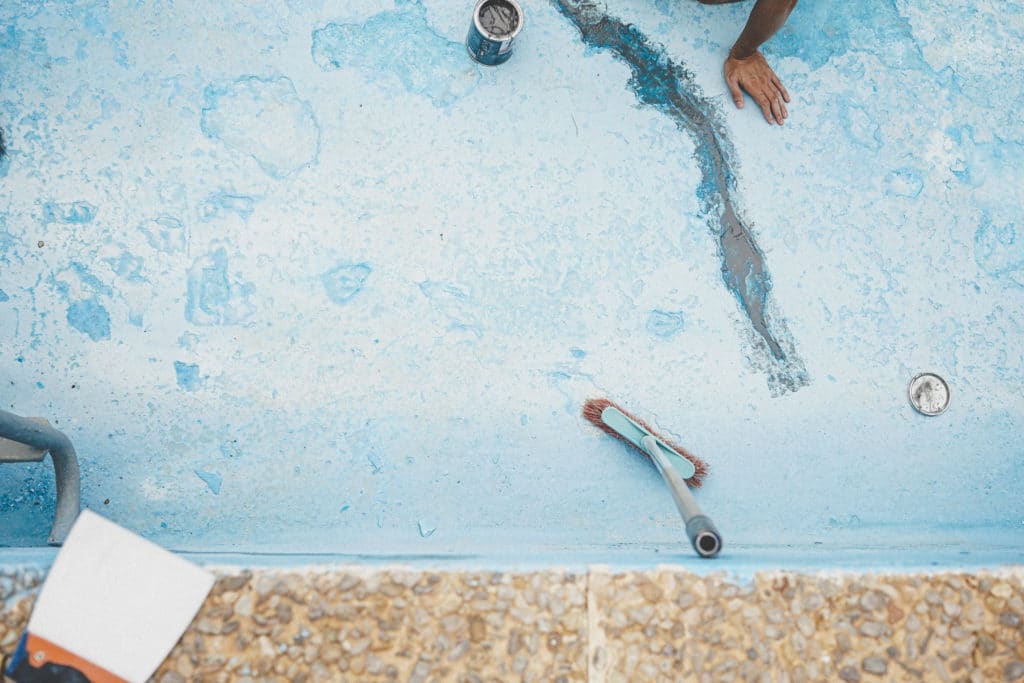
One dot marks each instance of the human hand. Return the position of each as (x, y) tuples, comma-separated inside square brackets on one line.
[(753, 75)]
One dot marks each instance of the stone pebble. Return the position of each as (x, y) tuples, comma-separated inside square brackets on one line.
[(359, 624)]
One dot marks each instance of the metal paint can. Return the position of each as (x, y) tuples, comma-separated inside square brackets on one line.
[(496, 23)]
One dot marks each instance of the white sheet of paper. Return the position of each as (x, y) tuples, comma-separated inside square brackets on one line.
[(116, 599)]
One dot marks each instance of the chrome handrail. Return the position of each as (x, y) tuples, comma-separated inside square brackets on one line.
[(40, 437)]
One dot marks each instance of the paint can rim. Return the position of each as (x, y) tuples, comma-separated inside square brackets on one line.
[(487, 34)]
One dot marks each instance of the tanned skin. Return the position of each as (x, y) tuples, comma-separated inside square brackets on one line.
[(746, 68)]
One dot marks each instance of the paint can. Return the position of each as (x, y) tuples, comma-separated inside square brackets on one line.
[(495, 25)]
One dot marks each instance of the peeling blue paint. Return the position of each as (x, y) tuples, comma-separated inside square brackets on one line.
[(70, 212), (215, 297), (904, 182), (665, 324), (127, 266), (818, 32), (999, 250), (165, 233), (455, 304), (345, 281), (263, 118), (220, 203), (187, 375), (399, 43), (91, 318), (213, 480)]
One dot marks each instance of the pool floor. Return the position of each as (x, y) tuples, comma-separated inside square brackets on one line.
[(303, 280)]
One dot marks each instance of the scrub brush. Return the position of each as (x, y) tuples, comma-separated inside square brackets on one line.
[(676, 465)]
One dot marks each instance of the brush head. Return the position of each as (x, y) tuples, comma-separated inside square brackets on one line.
[(592, 410)]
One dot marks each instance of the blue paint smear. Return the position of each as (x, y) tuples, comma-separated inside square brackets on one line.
[(221, 203), (578, 353), (904, 182), (860, 127), (188, 375), (8, 243), (127, 266), (665, 324), (263, 118), (401, 43), (453, 303), (91, 318), (165, 234), (212, 298), (188, 341), (818, 31), (344, 282), (212, 479), (117, 42), (10, 38), (87, 279), (3, 296), (95, 24), (999, 250), (71, 212)]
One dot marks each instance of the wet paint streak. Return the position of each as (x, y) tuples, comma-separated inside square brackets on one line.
[(659, 82)]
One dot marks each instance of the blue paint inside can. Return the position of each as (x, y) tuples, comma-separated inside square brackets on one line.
[(495, 25)]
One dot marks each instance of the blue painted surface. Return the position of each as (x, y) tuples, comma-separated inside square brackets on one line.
[(386, 278), (188, 375)]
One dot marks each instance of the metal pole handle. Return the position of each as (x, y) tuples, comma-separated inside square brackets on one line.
[(699, 527)]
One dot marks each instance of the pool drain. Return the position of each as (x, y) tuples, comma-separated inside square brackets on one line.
[(928, 393)]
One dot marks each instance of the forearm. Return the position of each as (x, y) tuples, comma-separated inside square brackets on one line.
[(767, 17)]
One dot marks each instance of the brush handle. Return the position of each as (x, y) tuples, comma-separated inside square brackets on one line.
[(699, 527)]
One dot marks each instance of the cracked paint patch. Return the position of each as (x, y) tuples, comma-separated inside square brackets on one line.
[(659, 82), (402, 44), (214, 296), (263, 118)]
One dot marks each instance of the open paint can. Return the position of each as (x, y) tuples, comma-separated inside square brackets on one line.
[(496, 23)]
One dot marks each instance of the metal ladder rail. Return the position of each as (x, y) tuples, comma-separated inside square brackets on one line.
[(28, 439)]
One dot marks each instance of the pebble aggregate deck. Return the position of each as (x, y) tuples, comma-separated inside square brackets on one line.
[(353, 624)]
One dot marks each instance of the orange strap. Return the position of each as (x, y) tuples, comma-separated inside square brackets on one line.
[(40, 651)]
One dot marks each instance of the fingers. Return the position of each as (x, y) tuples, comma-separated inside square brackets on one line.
[(767, 100), (779, 110), (773, 107), (766, 109), (781, 88), (737, 93), (756, 77)]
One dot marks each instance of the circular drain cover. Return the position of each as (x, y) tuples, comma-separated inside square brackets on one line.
[(929, 394)]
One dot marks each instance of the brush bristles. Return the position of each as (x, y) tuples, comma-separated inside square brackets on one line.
[(592, 410)]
